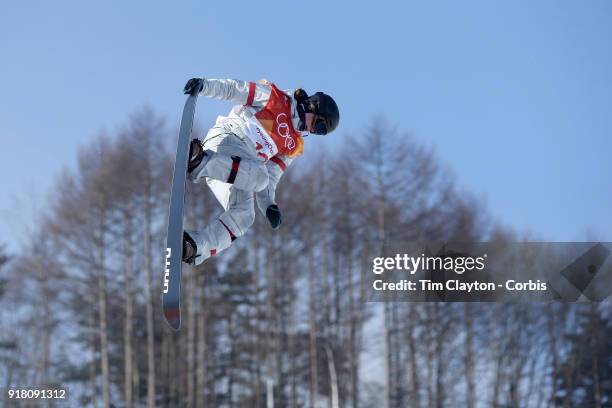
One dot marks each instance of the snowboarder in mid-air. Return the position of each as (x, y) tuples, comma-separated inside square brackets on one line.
[(245, 154)]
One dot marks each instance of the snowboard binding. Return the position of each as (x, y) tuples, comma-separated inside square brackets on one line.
[(196, 155), (190, 249)]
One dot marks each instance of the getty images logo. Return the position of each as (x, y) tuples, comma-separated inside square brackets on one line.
[(167, 270)]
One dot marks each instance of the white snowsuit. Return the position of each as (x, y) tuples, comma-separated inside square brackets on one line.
[(247, 153)]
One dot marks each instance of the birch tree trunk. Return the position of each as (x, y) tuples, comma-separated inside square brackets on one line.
[(595, 347), (312, 332), (102, 314), (190, 288), (47, 324), (93, 378), (201, 384), (333, 378), (272, 339), (149, 297), (440, 338), (128, 324), (413, 355), (469, 355)]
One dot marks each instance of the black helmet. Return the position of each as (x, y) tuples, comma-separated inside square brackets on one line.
[(324, 106)]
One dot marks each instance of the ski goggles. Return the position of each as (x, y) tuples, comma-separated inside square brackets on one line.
[(319, 125)]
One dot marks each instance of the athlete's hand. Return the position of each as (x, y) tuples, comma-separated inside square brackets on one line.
[(194, 86), (273, 215)]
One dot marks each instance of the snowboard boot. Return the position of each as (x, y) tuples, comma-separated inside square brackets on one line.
[(196, 155), (190, 249)]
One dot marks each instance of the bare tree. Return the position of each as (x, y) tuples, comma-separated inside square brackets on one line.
[(279, 319)]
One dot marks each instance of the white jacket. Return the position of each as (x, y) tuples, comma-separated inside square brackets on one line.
[(252, 98)]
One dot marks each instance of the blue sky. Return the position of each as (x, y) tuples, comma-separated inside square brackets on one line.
[(515, 96)]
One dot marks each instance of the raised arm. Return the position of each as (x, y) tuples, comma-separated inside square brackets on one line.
[(234, 90)]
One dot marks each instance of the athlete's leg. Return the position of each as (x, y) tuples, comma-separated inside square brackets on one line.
[(227, 158), (233, 223)]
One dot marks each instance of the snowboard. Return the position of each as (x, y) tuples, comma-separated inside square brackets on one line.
[(171, 295)]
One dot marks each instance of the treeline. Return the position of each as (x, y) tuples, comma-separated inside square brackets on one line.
[(281, 319)]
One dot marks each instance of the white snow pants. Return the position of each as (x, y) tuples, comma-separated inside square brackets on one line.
[(234, 175)]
